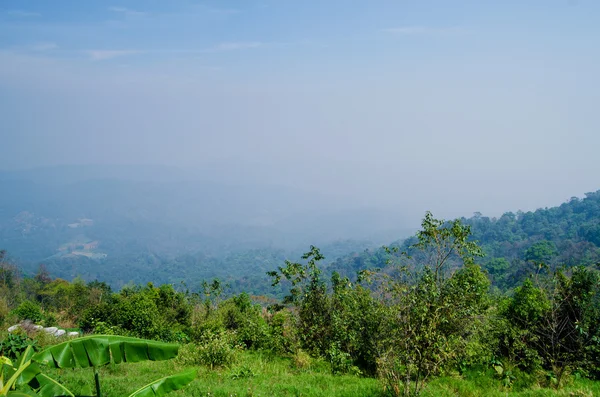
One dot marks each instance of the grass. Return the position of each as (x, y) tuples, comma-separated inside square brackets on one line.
[(262, 374), (476, 384), (253, 374)]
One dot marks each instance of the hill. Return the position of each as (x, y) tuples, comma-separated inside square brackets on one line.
[(515, 244), (138, 224)]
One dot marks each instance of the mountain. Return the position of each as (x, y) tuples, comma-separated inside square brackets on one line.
[(164, 224), (515, 244)]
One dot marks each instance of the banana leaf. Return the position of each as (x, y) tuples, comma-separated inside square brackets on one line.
[(99, 350), (165, 385), (51, 388), (19, 373), (30, 371)]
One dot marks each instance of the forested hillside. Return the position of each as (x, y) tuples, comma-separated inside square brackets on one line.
[(160, 224), (423, 327), (516, 244)]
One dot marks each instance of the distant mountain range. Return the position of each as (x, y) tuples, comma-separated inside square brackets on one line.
[(131, 223), (516, 245)]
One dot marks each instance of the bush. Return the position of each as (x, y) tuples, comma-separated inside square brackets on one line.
[(138, 315), (241, 316), (215, 350), (91, 317), (282, 333), (4, 310), (14, 344), (50, 320), (301, 359), (29, 310), (341, 361), (242, 372)]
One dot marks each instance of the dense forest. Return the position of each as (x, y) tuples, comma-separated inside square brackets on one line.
[(515, 244), (162, 225), (511, 304)]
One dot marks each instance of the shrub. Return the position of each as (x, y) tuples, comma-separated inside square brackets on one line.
[(215, 350), (4, 310), (242, 372), (341, 361), (50, 320), (29, 310), (14, 344), (301, 359), (91, 317), (282, 333)]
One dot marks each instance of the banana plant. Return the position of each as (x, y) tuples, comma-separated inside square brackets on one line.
[(99, 350), (21, 372)]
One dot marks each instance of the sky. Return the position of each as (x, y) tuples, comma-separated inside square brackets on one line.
[(451, 106)]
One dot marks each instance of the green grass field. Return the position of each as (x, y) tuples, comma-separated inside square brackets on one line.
[(256, 374)]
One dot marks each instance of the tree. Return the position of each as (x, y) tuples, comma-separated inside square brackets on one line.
[(431, 319), (309, 295), (554, 320), (541, 252), (443, 241)]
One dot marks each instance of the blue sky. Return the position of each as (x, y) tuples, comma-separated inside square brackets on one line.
[(336, 33), (492, 101)]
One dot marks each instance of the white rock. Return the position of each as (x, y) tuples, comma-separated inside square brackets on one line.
[(37, 327), (73, 334), (60, 332), (14, 328), (50, 330)]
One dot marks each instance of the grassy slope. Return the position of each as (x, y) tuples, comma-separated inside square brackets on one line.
[(485, 386), (275, 376)]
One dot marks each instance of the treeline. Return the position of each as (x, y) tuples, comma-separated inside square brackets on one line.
[(429, 312), (515, 243)]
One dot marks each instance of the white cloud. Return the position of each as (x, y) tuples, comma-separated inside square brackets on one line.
[(102, 55), (23, 13), (127, 11)]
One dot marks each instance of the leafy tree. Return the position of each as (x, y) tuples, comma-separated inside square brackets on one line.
[(29, 310), (431, 319), (309, 294), (541, 252), (554, 323)]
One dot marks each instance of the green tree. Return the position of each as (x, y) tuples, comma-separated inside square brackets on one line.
[(431, 319), (308, 293), (541, 252)]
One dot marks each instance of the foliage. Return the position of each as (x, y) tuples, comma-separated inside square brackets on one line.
[(554, 324), (29, 310), (97, 351), (283, 335), (214, 350), (157, 313), (431, 320), (12, 375), (308, 293), (425, 315), (15, 344)]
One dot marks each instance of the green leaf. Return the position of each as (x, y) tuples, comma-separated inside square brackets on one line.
[(98, 350), (14, 378), (165, 385), (51, 388)]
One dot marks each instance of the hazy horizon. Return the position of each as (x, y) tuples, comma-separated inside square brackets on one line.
[(453, 107)]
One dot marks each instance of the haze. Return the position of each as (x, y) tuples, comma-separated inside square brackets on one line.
[(406, 106)]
